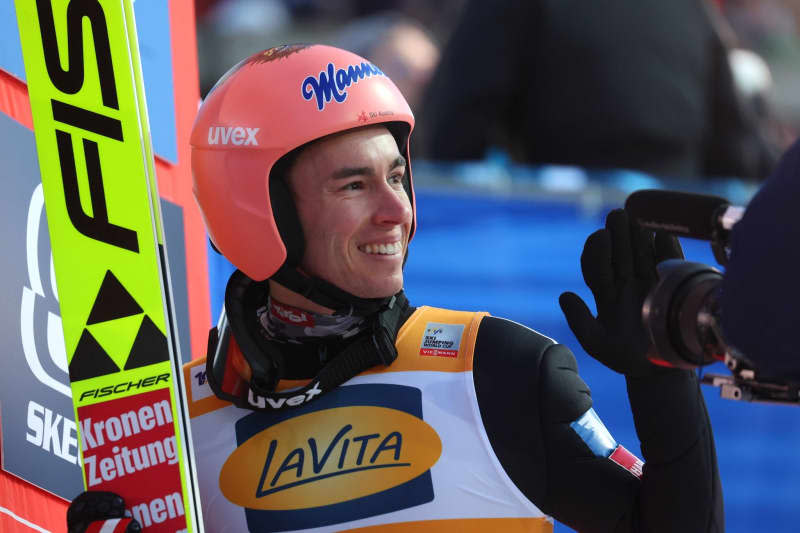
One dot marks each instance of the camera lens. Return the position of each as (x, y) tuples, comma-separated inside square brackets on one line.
[(679, 313)]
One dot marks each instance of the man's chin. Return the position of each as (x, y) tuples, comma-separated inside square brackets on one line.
[(377, 295), (377, 292)]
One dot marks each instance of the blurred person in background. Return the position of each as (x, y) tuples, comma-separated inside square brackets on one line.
[(404, 49), (402, 36), (770, 29), (642, 85)]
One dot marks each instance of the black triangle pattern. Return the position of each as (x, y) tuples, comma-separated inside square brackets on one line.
[(149, 347), (90, 360), (113, 301)]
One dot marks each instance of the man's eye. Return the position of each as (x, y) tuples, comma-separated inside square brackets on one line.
[(353, 186), (396, 179)]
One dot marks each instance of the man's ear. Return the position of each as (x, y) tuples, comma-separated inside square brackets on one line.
[(287, 220)]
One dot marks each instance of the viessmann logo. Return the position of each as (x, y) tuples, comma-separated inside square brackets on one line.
[(359, 460)]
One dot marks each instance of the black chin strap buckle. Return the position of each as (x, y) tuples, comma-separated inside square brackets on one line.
[(384, 345), (382, 333)]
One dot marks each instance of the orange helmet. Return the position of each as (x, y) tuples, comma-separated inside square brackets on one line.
[(259, 111)]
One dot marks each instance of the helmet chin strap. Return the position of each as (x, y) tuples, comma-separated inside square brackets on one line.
[(328, 295)]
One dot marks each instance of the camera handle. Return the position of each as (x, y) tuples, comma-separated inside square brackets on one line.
[(744, 385)]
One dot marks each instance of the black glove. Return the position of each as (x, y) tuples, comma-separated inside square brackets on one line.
[(97, 506), (619, 266)]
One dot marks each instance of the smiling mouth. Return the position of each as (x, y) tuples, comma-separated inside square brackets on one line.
[(391, 248)]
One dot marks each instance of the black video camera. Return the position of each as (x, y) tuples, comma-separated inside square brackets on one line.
[(682, 313)]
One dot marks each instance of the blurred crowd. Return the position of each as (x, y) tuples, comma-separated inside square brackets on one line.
[(689, 89)]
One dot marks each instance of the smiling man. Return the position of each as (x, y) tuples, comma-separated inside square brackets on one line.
[(327, 402), (355, 214)]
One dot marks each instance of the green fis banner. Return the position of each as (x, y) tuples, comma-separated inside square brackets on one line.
[(96, 162)]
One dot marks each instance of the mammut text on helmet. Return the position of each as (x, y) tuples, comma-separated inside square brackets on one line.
[(333, 83)]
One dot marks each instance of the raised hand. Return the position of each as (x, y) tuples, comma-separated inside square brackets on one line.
[(619, 266)]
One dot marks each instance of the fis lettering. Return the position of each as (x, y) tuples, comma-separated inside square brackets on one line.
[(103, 130), (333, 83), (236, 135)]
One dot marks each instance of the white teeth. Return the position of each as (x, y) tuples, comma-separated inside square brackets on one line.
[(391, 248)]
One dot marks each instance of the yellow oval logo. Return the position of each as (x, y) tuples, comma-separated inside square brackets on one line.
[(328, 457)]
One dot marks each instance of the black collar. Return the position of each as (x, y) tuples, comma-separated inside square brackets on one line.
[(270, 360)]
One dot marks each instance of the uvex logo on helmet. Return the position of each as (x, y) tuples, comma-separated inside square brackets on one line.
[(333, 83), (236, 135)]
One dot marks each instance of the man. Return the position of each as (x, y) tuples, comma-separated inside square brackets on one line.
[(327, 401)]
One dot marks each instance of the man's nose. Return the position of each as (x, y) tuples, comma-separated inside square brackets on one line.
[(392, 207)]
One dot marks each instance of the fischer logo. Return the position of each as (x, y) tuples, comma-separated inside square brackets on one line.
[(333, 83), (261, 402), (236, 135), (125, 386)]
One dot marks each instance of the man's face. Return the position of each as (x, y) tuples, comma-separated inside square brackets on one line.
[(355, 214)]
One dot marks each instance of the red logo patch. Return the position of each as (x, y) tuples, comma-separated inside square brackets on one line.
[(291, 315), (627, 460)]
